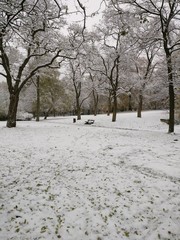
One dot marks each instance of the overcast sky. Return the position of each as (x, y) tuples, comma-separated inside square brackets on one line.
[(92, 6)]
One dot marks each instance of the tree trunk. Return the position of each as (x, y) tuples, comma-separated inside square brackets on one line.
[(140, 103), (114, 108), (95, 110), (171, 108), (129, 103), (78, 109), (171, 94), (12, 111), (45, 115), (109, 105), (38, 100), (78, 113), (96, 98)]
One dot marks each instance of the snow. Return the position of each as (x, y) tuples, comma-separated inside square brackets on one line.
[(106, 181)]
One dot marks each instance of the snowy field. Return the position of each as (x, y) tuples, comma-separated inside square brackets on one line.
[(107, 181)]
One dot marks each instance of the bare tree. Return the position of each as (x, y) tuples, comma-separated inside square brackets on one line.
[(78, 76), (145, 67), (24, 29), (165, 14), (30, 40), (113, 49), (95, 93)]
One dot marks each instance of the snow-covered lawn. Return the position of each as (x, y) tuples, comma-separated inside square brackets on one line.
[(106, 181)]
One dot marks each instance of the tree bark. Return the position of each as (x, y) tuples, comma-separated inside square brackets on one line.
[(109, 104), (38, 99), (168, 52), (171, 94), (114, 108), (78, 113), (12, 111), (45, 115), (95, 98), (78, 109), (140, 104), (129, 102)]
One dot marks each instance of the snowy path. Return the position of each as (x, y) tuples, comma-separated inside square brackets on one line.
[(70, 181)]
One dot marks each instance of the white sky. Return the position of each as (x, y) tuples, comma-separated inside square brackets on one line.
[(91, 6)]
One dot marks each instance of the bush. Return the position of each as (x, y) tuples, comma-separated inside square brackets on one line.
[(24, 116), (3, 116)]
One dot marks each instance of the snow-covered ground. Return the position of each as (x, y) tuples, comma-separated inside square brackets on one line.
[(106, 181)]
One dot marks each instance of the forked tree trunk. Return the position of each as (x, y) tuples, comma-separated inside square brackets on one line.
[(12, 111), (140, 104), (114, 108)]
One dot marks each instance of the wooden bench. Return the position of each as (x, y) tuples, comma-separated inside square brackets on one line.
[(89, 121), (176, 122), (164, 120)]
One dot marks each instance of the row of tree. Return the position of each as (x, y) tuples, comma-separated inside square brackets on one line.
[(48, 95), (132, 55)]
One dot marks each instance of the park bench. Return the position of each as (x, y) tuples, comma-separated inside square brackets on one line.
[(164, 120), (89, 121), (176, 122)]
